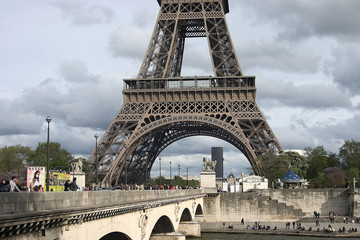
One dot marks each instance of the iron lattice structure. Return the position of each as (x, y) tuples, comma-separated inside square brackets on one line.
[(160, 106)]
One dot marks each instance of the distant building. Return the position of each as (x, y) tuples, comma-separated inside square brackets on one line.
[(217, 155), (254, 182)]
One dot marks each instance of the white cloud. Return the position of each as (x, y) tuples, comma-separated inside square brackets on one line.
[(81, 13)]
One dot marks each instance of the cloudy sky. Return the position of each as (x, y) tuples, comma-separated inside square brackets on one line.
[(67, 59)]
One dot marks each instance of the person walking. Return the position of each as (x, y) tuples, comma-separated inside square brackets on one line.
[(4, 186), (67, 185), (13, 185), (73, 185)]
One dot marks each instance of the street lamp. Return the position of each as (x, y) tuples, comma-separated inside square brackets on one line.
[(126, 166), (159, 172), (48, 119), (96, 160), (179, 170), (170, 172), (187, 177), (146, 170)]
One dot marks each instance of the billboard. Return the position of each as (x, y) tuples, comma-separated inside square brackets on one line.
[(35, 180)]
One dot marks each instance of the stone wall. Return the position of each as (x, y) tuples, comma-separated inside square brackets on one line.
[(231, 207), (310, 200), (280, 205)]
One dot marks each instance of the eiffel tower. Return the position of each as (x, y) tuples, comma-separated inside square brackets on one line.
[(161, 106)]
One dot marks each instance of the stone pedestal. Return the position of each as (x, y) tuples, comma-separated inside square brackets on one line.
[(208, 181), (168, 236), (80, 178), (191, 229)]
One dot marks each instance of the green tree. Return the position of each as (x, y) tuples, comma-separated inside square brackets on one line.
[(318, 161), (334, 160), (349, 154), (14, 157), (274, 166), (298, 163), (59, 157)]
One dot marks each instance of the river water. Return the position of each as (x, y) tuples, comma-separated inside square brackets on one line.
[(227, 236)]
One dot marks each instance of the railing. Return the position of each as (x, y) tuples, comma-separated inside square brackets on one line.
[(22, 202), (189, 83)]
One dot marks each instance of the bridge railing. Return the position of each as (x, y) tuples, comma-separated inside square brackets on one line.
[(22, 202)]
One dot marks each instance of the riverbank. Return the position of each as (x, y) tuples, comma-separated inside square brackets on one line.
[(279, 228)]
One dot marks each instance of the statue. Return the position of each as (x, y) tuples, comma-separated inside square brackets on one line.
[(208, 165), (280, 185), (77, 166)]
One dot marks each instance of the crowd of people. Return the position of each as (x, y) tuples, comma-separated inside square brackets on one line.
[(35, 185), (296, 226), (9, 186)]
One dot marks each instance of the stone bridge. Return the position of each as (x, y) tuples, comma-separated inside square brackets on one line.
[(136, 215)]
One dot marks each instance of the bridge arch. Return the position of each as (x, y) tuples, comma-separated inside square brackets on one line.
[(163, 225), (199, 210), (115, 235), (186, 216), (159, 132)]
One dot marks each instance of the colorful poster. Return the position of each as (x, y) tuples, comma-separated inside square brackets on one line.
[(35, 178)]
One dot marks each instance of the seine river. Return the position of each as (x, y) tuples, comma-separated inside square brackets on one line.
[(226, 236)]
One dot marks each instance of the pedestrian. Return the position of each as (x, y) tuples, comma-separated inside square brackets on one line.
[(4, 186), (73, 185), (67, 185), (13, 186)]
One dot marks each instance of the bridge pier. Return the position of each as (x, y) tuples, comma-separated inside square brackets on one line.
[(191, 229), (168, 236)]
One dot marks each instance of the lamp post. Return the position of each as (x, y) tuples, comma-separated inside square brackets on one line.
[(48, 119), (126, 166), (354, 183), (159, 172), (146, 170), (187, 177), (96, 160), (179, 170), (170, 172)]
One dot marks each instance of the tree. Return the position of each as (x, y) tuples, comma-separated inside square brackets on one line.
[(13, 157), (274, 166), (334, 177), (318, 161), (334, 160), (349, 154), (298, 163), (59, 157)]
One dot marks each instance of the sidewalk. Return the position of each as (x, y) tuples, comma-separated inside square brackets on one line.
[(217, 227)]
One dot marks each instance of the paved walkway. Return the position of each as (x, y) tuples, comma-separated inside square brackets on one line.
[(282, 230)]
